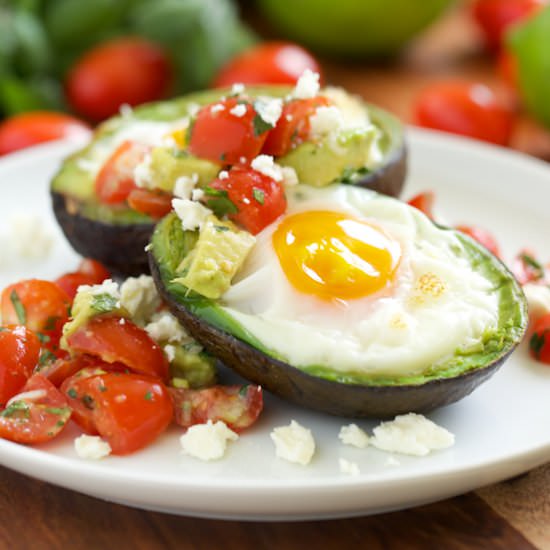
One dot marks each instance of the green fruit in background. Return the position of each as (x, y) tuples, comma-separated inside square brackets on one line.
[(352, 27), (530, 45)]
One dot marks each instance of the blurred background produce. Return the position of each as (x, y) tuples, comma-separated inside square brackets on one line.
[(474, 67)]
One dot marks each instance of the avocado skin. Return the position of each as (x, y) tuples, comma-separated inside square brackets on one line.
[(121, 248), (294, 385)]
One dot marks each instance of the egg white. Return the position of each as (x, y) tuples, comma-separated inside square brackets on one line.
[(436, 304)]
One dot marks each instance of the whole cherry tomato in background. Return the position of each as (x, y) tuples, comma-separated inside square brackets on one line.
[(482, 236), (495, 16), (539, 345), (467, 108), (123, 71), (26, 129), (267, 63)]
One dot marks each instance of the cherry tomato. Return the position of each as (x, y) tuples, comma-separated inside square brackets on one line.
[(128, 410), (116, 340), (465, 108), (482, 236), (26, 129), (19, 354), (527, 269), (293, 126), (115, 180), (153, 203), (267, 63), (220, 135), (424, 202), (258, 199), (36, 415), (123, 71), (39, 305), (539, 345), (495, 16), (89, 272), (237, 406)]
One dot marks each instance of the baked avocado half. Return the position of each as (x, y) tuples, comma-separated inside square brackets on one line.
[(107, 226), (352, 303)]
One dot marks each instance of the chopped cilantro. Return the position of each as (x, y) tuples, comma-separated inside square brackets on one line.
[(57, 410), (220, 204), (259, 195), (243, 391), (148, 396), (46, 357), (104, 303), (17, 408), (72, 393), (88, 401), (60, 423), (260, 126), (102, 388), (44, 338), (537, 342), (19, 307), (221, 228), (51, 322)]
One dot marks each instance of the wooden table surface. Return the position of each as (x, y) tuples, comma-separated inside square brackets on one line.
[(512, 515)]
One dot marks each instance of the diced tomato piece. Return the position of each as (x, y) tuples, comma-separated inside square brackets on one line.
[(36, 415), (527, 269), (89, 272), (116, 178), (293, 126), (39, 305), (237, 406), (424, 202), (482, 236), (128, 410), (229, 131), (539, 345), (94, 269), (19, 353), (152, 203), (257, 200), (116, 340)]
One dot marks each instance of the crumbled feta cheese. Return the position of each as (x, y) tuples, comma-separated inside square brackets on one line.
[(207, 441), (142, 172), (307, 85), (197, 194), (290, 177), (193, 109), (148, 247), (293, 443), (170, 352), (347, 467), (183, 188), (269, 109), (265, 165), (237, 88), (191, 213), (217, 108), (538, 299), (239, 110), (223, 175), (164, 327), (30, 238), (125, 110), (91, 447), (411, 434), (140, 297), (108, 286), (325, 120), (353, 435)]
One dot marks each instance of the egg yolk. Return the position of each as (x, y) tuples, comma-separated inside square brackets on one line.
[(334, 256)]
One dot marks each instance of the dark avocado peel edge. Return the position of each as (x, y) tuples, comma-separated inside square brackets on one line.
[(324, 389), (117, 235)]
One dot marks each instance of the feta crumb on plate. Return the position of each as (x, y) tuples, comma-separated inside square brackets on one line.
[(348, 467), (353, 435), (411, 434), (293, 443), (207, 441), (91, 447)]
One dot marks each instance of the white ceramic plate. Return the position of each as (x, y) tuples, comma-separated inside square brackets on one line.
[(501, 430)]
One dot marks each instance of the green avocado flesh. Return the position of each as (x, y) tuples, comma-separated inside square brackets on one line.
[(170, 245), (75, 181)]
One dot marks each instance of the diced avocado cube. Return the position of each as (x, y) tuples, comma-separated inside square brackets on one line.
[(197, 369)]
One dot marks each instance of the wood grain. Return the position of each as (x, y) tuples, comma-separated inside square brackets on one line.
[(42, 517)]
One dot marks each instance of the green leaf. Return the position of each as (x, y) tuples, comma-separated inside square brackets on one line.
[(261, 126), (259, 195), (17, 408), (220, 204), (537, 342), (44, 338), (19, 307), (104, 303), (46, 357)]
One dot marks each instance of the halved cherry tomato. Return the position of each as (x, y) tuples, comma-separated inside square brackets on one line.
[(19, 353), (128, 410), (424, 202), (237, 406), (116, 178), (258, 199), (39, 305), (539, 344), (527, 269), (221, 134), (482, 236), (89, 272), (117, 340), (26, 129), (293, 126), (36, 415), (466, 108), (123, 71), (495, 16), (267, 63), (153, 203)]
